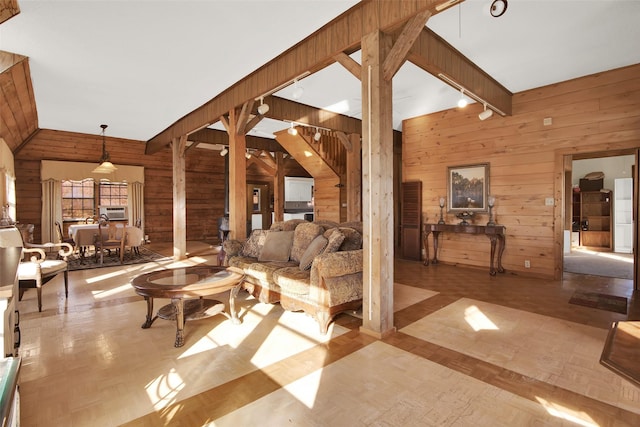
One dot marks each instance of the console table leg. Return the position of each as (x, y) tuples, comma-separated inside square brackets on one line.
[(492, 270), (425, 242), (149, 321), (500, 251), (178, 305), (436, 237)]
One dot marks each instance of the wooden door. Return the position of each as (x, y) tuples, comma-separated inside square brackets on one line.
[(411, 220)]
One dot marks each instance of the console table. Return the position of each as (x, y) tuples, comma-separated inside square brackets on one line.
[(495, 233)]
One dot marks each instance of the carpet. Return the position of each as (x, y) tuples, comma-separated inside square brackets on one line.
[(607, 264), (89, 261), (600, 301)]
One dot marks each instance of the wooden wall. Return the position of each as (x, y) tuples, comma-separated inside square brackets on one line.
[(205, 180), (597, 113)]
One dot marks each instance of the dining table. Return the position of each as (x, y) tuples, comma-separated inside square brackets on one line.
[(84, 235)]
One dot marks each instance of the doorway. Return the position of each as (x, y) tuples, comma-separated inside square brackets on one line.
[(258, 207), (599, 219)]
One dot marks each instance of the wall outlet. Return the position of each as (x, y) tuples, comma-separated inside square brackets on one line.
[(549, 201), (527, 263)]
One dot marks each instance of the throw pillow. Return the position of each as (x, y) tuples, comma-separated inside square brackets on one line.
[(352, 239), (302, 238), (335, 240), (313, 250), (252, 246), (277, 246)]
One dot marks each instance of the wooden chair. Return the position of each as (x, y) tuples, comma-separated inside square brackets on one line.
[(60, 236), (37, 270), (109, 238)]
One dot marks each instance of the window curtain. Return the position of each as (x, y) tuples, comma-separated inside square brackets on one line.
[(135, 200), (51, 209), (7, 179)]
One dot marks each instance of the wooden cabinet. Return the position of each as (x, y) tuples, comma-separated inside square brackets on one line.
[(596, 220)]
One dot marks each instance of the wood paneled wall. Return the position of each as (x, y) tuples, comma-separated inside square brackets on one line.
[(205, 180), (596, 113)]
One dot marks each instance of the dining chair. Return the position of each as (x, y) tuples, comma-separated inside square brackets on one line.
[(60, 235), (134, 239), (35, 270), (108, 238)]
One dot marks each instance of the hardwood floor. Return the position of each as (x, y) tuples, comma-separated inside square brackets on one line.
[(470, 349)]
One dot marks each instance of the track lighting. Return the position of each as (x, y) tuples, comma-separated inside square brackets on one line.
[(484, 115), (317, 136), (292, 130), (263, 108), (224, 152), (468, 94), (247, 154), (462, 102), (297, 90)]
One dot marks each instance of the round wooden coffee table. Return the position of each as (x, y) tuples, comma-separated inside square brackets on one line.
[(184, 284)]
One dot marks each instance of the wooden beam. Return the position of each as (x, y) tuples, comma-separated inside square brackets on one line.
[(261, 164), (342, 137), (8, 9), (219, 137), (434, 55), (398, 54), (278, 188), (179, 199), (312, 54), (237, 180), (354, 178), (349, 63)]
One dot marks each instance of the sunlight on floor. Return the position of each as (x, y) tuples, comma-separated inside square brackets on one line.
[(610, 255), (163, 390), (306, 391), (559, 411), (106, 293), (478, 320)]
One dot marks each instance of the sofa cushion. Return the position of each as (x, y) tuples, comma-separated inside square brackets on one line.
[(277, 246), (263, 271), (292, 280), (313, 250), (335, 239), (352, 239), (288, 225), (302, 238), (254, 243)]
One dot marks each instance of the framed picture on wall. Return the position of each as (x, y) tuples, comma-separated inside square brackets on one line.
[(468, 188)]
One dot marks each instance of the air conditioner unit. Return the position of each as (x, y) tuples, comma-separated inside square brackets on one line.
[(114, 212)]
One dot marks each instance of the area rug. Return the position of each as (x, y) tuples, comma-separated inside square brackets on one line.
[(89, 261), (600, 301)]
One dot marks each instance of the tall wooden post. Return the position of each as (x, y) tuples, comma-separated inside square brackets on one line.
[(278, 188), (354, 178), (237, 177), (377, 187), (179, 198)]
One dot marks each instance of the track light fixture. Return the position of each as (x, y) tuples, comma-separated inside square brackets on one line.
[(462, 102), (263, 108), (292, 130), (469, 94), (247, 154), (224, 152), (317, 135), (484, 115), (297, 90)]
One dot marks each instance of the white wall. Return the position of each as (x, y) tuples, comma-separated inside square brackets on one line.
[(613, 167)]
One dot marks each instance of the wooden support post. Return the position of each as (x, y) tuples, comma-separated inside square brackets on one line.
[(278, 188), (178, 146), (354, 178), (377, 187), (237, 178)]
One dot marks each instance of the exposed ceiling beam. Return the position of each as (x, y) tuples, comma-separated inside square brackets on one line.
[(350, 64), (310, 55), (434, 55), (219, 137), (401, 46), (8, 9)]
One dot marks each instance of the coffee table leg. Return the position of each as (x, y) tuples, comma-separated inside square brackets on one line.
[(178, 305), (147, 324), (232, 304)]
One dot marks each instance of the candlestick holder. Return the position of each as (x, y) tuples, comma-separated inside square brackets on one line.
[(491, 203), (441, 206)]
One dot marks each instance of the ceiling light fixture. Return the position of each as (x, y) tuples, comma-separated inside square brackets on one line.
[(498, 8), (484, 115), (469, 94), (263, 108), (105, 161), (297, 90), (224, 151), (292, 130), (462, 102), (283, 85)]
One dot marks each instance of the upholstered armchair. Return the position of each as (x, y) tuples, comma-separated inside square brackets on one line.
[(35, 270)]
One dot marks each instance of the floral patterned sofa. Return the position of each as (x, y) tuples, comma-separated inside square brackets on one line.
[(315, 267)]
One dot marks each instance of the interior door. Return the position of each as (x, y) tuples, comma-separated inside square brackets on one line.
[(636, 229), (258, 207)]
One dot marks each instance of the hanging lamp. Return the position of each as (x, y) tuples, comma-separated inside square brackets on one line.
[(105, 161)]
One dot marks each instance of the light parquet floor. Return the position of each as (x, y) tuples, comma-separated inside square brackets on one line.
[(470, 350)]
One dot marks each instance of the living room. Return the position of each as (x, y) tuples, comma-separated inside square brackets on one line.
[(525, 153)]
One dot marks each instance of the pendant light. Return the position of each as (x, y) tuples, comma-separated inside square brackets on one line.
[(105, 161)]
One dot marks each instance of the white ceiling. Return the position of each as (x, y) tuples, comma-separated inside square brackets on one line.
[(140, 65)]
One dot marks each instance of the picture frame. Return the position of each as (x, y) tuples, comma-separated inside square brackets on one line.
[(468, 188)]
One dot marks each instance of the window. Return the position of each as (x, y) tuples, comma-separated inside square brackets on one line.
[(113, 194), (78, 199)]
